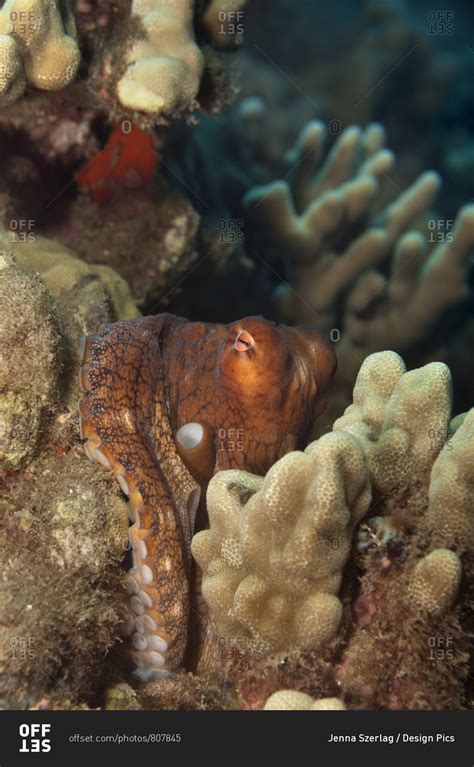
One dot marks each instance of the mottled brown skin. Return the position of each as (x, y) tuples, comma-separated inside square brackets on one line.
[(256, 401)]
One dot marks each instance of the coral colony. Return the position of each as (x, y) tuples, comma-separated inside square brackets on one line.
[(236, 425)]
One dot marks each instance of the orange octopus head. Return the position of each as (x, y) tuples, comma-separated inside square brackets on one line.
[(254, 358), (261, 360), (266, 388)]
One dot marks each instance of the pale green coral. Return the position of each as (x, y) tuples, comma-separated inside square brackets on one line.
[(400, 417), (450, 511), (435, 581), (38, 47), (292, 700), (273, 558), (165, 68), (121, 697)]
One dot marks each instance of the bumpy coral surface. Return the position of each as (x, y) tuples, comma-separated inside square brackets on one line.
[(292, 700), (270, 571), (325, 576), (38, 47), (283, 554), (164, 70), (137, 59)]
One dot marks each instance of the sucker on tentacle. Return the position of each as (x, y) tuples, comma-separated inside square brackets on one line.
[(164, 399)]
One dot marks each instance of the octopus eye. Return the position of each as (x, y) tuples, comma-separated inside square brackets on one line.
[(244, 341)]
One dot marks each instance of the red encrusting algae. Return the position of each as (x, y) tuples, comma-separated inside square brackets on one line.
[(128, 158)]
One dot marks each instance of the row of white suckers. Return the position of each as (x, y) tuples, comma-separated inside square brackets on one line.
[(151, 647)]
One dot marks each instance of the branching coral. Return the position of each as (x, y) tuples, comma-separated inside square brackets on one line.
[(316, 219), (427, 496), (271, 566), (451, 488), (164, 69), (141, 56), (38, 47), (435, 581), (336, 247), (395, 415), (278, 542)]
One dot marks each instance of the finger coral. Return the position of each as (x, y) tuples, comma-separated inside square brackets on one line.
[(273, 558), (395, 414), (38, 47), (164, 69), (140, 57), (385, 502), (435, 581), (338, 247), (451, 488)]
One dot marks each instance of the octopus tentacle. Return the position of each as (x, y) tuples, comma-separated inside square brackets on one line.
[(124, 415), (165, 401)]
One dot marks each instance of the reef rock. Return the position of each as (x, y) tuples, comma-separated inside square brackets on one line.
[(65, 528)]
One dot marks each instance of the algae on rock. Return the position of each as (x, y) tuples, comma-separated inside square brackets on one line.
[(65, 526)]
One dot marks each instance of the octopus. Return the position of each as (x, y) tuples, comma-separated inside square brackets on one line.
[(170, 402)]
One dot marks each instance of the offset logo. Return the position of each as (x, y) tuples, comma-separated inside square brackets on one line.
[(35, 738)]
